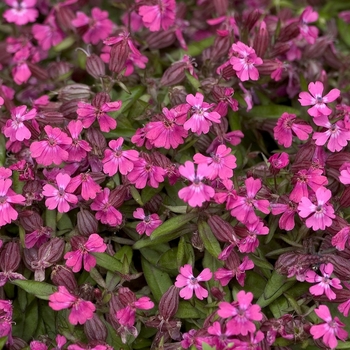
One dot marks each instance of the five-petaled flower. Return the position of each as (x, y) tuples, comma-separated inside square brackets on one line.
[(149, 222)]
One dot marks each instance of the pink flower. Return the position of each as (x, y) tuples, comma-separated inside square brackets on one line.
[(149, 223), (344, 177), (168, 133), (220, 164), (243, 313), (161, 15), (200, 120), (22, 12), (325, 282), (191, 283), (89, 188), (81, 310), (278, 161), (287, 124), (117, 159), (76, 258), (88, 113), (288, 211), (318, 216), (51, 150), (243, 207), (8, 196), (146, 173), (197, 192), (14, 128), (329, 330), (244, 62), (316, 100), (106, 213), (21, 72), (249, 241), (344, 308), (341, 238), (99, 26), (59, 197), (310, 33)]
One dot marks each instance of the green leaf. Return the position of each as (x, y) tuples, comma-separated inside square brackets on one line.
[(210, 242), (193, 81), (196, 48), (185, 253), (64, 44), (343, 345), (149, 192), (344, 29), (112, 338), (158, 281), (260, 262), (168, 260), (3, 341), (275, 287), (41, 290), (2, 150), (172, 224), (271, 111), (31, 320), (108, 262), (186, 310)]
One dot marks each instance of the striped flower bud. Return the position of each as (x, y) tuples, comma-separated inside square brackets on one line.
[(175, 74), (62, 276), (169, 303), (86, 222), (95, 329), (95, 66), (74, 91), (10, 257)]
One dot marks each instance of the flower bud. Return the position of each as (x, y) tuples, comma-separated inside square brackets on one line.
[(336, 160), (345, 198), (217, 293), (279, 48), (221, 7), (62, 276), (222, 230), (51, 251), (160, 39), (95, 329), (154, 203), (317, 49), (100, 99), (177, 95), (95, 66), (10, 257), (118, 56), (261, 40), (86, 222), (60, 70), (197, 242), (251, 19), (169, 303), (65, 17), (38, 72), (220, 47), (332, 59), (203, 143), (30, 220), (289, 32), (341, 265), (17, 344), (228, 72), (97, 140), (69, 108), (118, 195), (173, 75), (126, 296), (74, 91)]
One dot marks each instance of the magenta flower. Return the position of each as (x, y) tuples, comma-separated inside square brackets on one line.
[(81, 310), (344, 177), (106, 212), (288, 211), (117, 159), (89, 188), (197, 192), (344, 308), (59, 197), (21, 72), (159, 16), (99, 26), (318, 216), (219, 164), (342, 238), (249, 241), (243, 207), (14, 128), (8, 196), (80, 256), (22, 12), (288, 124), (200, 120), (278, 161), (52, 149), (331, 330), (243, 313), (191, 283), (315, 99), (324, 282), (244, 62), (310, 33), (149, 223)]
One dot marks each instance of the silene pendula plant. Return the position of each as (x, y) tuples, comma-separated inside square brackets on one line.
[(174, 174)]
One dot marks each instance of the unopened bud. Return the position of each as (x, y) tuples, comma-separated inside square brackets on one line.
[(345, 198), (95, 329), (51, 251), (336, 160), (69, 108), (261, 40), (341, 265), (86, 222), (332, 59), (228, 72), (37, 72), (118, 195), (17, 343), (221, 7), (100, 99), (289, 32), (62, 276), (96, 139), (317, 49), (217, 293), (197, 242), (169, 303), (86, 292), (10, 257), (74, 91), (279, 49), (95, 66), (65, 17), (118, 56), (30, 220), (154, 203), (252, 18), (60, 70), (220, 47), (126, 296), (222, 230), (177, 95), (175, 74), (160, 39)]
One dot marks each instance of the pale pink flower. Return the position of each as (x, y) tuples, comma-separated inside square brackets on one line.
[(15, 128), (106, 212), (146, 173), (200, 120), (342, 238), (169, 132), (88, 113), (244, 62), (78, 149), (344, 177), (159, 16), (22, 12), (21, 72), (318, 216), (219, 164), (81, 310), (331, 330), (243, 313), (149, 224), (197, 192), (191, 283), (310, 33), (99, 26), (324, 283), (117, 159), (249, 241), (243, 207), (51, 150), (89, 188), (288, 124), (81, 256), (59, 197), (8, 196), (315, 99), (336, 135)]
